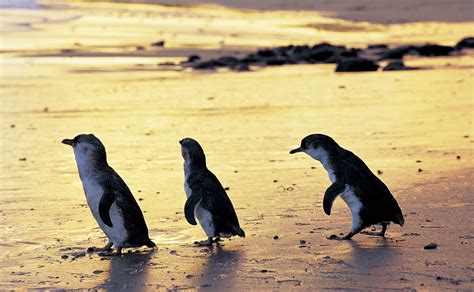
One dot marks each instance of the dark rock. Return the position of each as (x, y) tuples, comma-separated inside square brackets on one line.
[(64, 256), (251, 58), (319, 55), (328, 46), (193, 58), (431, 245), (397, 53), (356, 65), (350, 53), (332, 236), (434, 50), (227, 61), (276, 237), (377, 46), (206, 65), (465, 43), (275, 61), (266, 53), (97, 272), (158, 44), (302, 241), (241, 67), (397, 65)]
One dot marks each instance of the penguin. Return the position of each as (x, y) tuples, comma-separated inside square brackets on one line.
[(206, 198), (368, 198), (110, 200)]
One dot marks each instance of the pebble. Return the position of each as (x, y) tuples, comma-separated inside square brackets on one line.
[(431, 245)]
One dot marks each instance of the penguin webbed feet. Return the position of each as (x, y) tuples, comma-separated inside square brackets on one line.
[(208, 242), (345, 237), (373, 233), (106, 248)]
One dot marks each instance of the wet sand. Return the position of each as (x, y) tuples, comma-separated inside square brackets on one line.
[(398, 122)]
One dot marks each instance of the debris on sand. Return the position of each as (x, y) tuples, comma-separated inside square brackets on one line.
[(431, 245)]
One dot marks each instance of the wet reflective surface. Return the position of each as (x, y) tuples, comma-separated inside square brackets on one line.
[(398, 122)]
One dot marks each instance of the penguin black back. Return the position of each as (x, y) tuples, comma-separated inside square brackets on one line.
[(207, 192)]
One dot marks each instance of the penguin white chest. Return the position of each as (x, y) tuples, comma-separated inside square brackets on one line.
[(354, 205), (117, 233)]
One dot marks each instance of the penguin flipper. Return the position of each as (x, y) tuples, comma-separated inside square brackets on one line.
[(191, 203), (331, 194), (108, 198)]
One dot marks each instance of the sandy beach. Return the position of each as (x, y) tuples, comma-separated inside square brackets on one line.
[(87, 67)]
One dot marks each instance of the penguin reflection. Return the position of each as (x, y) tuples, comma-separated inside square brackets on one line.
[(220, 263), (128, 272)]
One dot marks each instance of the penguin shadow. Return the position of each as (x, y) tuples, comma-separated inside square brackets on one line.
[(220, 268), (378, 254), (128, 271)]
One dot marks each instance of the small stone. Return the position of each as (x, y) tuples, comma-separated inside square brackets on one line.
[(379, 171), (22, 159), (46, 110), (276, 237), (420, 170), (158, 44), (302, 241), (90, 249), (140, 199), (96, 272), (431, 245), (275, 181), (332, 236), (458, 157), (226, 188), (189, 276), (193, 58), (12, 126), (418, 161), (264, 271), (65, 256)]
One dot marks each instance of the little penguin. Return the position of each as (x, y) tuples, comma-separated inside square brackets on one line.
[(368, 198), (110, 200), (206, 198)]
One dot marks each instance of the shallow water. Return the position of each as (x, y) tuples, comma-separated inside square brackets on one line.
[(246, 123)]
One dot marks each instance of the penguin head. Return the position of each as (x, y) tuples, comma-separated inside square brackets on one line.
[(192, 152), (318, 146), (87, 147)]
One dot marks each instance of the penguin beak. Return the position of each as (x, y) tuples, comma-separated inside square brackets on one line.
[(68, 142), (299, 149)]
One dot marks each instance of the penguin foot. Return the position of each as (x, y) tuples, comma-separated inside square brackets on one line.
[(207, 242), (346, 237), (381, 233), (107, 247)]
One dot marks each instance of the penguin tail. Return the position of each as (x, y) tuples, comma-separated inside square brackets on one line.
[(239, 231), (150, 243), (399, 219)]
